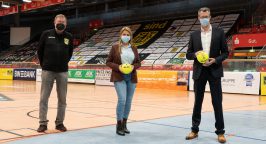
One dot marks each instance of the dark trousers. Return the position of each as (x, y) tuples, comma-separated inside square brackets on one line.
[(216, 94)]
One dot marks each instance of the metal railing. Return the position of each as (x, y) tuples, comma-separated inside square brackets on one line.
[(229, 65)]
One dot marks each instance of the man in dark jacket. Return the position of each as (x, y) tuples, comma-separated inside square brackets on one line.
[(212, 41), (54, 53)]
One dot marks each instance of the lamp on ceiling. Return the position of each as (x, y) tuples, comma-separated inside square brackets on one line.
[(4, 5), (27, 1)]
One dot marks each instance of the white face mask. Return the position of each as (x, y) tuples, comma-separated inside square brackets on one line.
[(204, 21), (125, 39)]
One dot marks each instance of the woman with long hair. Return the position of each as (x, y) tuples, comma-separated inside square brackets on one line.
[(124, 52)]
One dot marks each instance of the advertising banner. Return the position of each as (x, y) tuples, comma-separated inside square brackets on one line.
[(83, 76), (162, 79), (249, 40), (6, 74), (236, 82), (263, 83), (24, 74), (40, 4), (103, 77), (39, 75), (9, 11)]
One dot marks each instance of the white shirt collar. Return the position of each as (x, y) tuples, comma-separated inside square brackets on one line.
[(209, 30)]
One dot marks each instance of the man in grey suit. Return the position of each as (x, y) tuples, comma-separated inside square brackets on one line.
[(213, 42)]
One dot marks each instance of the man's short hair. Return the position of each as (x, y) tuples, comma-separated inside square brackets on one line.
[(60, 16), (204, 9)]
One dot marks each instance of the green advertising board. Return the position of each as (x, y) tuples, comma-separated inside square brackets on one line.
[(76, 75)]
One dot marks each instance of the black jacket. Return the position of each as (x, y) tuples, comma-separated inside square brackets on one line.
[(55, 50), (218, 50)]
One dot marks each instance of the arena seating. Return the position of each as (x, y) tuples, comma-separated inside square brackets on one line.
[(169, 47), (159, 43), (19, 55)]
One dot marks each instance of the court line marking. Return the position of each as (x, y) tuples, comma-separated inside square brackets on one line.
[(11, 133), (232, 135)]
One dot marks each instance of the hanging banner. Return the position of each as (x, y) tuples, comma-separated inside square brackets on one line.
[(8, 11), (39, 4), (249, 40)]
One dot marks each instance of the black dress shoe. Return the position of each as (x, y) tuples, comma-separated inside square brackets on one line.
[(119, 128), (125, 126), (42, 128), (61, 128)]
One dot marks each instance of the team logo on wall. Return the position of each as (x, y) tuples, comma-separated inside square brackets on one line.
[(149, 32), (66, 41)]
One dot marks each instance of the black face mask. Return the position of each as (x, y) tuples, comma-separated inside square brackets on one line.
[(60, 26)]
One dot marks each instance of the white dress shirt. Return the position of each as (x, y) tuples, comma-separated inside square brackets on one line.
[(206, 37)]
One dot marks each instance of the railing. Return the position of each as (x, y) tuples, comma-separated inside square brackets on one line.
[(261, 53), (261, 58), (229, 65)]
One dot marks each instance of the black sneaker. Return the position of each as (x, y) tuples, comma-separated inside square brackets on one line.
[(42, 128), (61, 128)]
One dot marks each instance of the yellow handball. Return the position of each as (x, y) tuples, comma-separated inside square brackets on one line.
[(126, 68), (202, 57)]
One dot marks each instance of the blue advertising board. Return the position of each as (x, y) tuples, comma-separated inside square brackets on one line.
[(24, 74)]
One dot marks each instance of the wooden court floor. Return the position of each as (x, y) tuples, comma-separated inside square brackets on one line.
[(93, 106)]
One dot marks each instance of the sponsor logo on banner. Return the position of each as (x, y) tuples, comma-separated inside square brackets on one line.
[(78, 74), (39, 75), (162, 79), (24, 74), (6, 74), (236, 82), (103, 77), (83, 76), (249, 78), (263, 83), (236, 41), (89, 74), (228, 81), (248, 40), (182, 78)]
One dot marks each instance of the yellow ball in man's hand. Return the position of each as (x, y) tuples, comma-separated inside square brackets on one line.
[(202, 57)]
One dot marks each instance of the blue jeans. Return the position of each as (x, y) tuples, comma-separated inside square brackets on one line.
[(125, 90)]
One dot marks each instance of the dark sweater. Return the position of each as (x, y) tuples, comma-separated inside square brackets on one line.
[(55, 50)]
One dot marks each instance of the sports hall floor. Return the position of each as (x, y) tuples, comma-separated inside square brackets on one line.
[(157, 117)]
